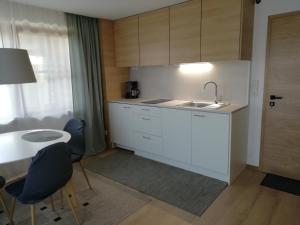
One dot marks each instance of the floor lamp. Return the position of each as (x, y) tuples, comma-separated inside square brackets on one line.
[(15, 68)]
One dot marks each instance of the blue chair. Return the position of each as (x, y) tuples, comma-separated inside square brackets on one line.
[(50, 170), (77, 143), (2, 184)]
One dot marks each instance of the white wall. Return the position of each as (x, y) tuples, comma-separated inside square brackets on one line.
[(170, 82), (262, 11)]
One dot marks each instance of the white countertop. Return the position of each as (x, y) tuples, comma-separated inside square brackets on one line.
[(174, 104)]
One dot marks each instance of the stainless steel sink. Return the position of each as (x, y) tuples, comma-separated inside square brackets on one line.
[(203, 105), (195, 104)]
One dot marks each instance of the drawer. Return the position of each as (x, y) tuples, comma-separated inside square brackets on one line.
[(148, 124), (146, 110), (148, 143)]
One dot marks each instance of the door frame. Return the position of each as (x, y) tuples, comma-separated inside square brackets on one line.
[(266, 83)]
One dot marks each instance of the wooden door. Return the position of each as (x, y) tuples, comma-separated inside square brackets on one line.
[(127, 42), (154, 37), (281, 124), (221, 29), (185, 29)]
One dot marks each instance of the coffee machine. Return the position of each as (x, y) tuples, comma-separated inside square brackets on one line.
[(132, 90)]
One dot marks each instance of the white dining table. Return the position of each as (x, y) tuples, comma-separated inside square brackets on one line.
[(14, 148)]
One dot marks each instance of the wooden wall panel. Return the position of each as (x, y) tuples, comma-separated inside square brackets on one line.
[(113, 77)]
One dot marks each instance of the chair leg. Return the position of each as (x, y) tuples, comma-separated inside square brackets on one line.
[(68, 196), (70, 190), (4, 206), (52, 203), (62, 199), (33, 219), (12, 211), (85, 175)]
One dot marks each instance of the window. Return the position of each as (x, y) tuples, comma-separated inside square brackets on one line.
[(51, 96)]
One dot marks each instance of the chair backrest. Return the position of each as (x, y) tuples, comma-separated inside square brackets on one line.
[(2, 182), (77, 142), (49, 171)]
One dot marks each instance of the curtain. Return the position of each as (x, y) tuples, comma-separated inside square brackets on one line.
[(47, 103), (86, 78)]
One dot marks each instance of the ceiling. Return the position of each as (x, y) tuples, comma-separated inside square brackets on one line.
[(108, 9)]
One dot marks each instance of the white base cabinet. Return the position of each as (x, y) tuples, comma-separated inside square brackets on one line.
[(148, 143), (210, 141), (176, 125), (202, 142), (121, 119)]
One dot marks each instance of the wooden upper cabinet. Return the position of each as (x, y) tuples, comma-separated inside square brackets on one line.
[(226, 29), (185, 30), (127, 41), (154, 37), (246, 39), (197, 30)]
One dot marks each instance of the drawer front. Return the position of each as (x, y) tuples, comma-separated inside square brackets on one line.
[(148, 124), (146, 110), (148, 143)]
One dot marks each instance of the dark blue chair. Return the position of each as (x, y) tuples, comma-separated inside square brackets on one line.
[(77, 143), (50, 170), (2, 184)]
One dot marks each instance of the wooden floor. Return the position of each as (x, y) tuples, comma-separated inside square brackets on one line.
[(245, 202)]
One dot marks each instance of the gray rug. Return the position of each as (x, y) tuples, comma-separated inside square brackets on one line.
[(107, 204), (186, 190)]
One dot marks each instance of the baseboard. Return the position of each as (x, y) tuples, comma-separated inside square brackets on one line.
[(251, 167)]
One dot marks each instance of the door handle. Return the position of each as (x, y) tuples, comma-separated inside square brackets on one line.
[(274, 97)]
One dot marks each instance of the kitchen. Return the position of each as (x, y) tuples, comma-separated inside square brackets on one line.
[(172, 57)]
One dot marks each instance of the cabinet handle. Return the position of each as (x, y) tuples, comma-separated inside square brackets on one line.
[(201, 116), (126, 107), (146, 109), (147, 119), (147, 138)]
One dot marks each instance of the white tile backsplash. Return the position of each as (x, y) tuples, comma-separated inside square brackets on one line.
[(169, 82)]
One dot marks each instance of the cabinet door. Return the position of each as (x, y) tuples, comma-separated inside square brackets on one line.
[(221, 29), (154, 37), (120, 124), (127, 42), (210, 141), (185, 29), (177, 134)]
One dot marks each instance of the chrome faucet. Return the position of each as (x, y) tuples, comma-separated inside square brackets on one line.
[(216, 89)]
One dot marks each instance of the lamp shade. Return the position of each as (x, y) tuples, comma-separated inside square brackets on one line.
[(15, 67)]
